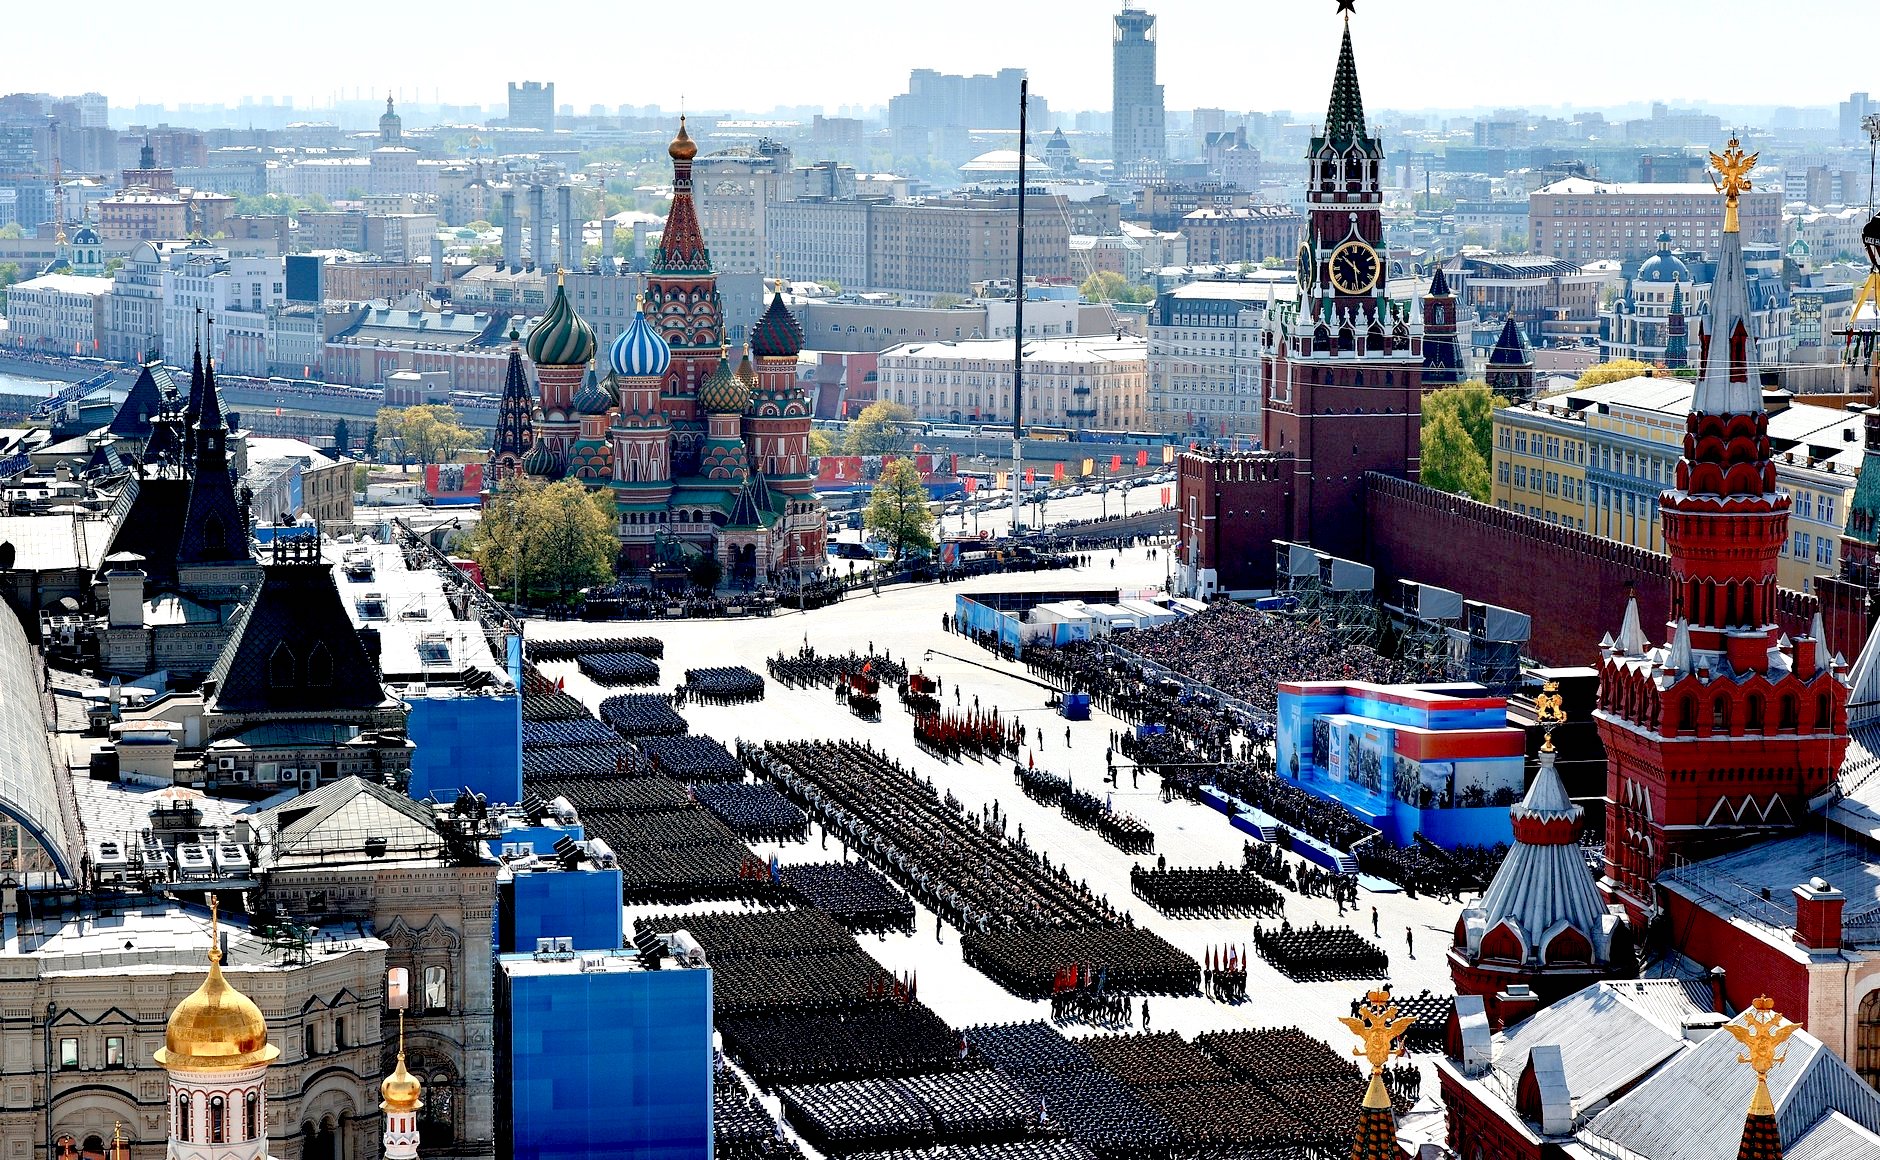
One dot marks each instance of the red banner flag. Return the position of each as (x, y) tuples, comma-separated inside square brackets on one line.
[(1142, 459), (1116, 463), (1165, 497), (1057, 471), (1031, 475)]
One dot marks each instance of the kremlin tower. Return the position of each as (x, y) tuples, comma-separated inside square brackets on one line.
[(1542, 921), (1442, 353), (1345, 348), (217, 1053), (1723, 734)]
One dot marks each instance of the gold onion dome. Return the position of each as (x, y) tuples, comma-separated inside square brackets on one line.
[(561, 338), (400, 1091), (683, 148), (217, 1028), (723, 392)]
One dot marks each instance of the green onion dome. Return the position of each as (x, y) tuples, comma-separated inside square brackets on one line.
[(723, 393), (593, 398), (561, 338)]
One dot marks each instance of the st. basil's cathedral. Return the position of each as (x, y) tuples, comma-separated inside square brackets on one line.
[(703, 457)]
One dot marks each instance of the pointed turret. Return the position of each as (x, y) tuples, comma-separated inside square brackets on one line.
[(1511, 364), (215, 526), (515, 423), (1442, 353), (1344, 113), (1727, 382)]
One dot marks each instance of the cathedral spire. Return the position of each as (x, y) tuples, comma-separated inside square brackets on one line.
[(1727, 382), (682, 243)]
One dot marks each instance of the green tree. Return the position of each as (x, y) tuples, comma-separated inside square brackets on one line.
[(820, 443), (897, 509), (1612, 372), (1450, 461), (425, 433), (342, 436), (9, 273), (946, 301), (705, 572), (1473, 406), (830, 284), (372, 441), (12, 232), (1109, 286), (362, 475), (545, 540), (877, 430)]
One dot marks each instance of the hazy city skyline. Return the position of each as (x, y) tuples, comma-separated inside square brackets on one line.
[(1434, 54)]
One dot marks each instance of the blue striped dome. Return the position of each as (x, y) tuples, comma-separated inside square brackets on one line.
[(639, 352)]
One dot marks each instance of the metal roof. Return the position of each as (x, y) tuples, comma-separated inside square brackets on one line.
[(1694, 1108), (1835, 1138), (1605, 1044), (29, 793)]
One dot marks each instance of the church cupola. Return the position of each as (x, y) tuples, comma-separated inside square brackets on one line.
[(216, 1051)]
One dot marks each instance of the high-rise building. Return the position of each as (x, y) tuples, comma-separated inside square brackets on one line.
[(735, 189), (1140, 129), (1853, 111), (532, 105)]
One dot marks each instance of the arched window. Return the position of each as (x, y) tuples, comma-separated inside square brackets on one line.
[(214, 533), (1753, 718), (1739, 353), (281, 667), (1824, 717), (1787, 719), (1867, 1040), (319, 665), (218, 1121), (1720, 715), (183, 1125), (251, 1116), (1687, 714)]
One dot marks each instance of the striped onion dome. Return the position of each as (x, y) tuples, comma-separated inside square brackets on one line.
[(640, 352), (777, 334), (561, 338), (594, 397), (543, 461), (723, 393)]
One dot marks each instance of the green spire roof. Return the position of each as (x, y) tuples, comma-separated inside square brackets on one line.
[(1344, 116)]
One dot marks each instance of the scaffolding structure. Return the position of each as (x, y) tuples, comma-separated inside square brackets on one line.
[(1339, 594), (1426, 614), (1486, 646)]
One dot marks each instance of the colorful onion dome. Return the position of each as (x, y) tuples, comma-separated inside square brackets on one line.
[(723, 393), (683, 148), (778, 334), (593, 397), (561, 338), (543, 461), (746, 373), (640, 352)]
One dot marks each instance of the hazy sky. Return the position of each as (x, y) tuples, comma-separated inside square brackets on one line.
[(758, 54)]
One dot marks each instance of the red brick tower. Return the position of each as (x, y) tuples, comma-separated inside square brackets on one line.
[(1723, 734), (682, 302), (1343, 365)]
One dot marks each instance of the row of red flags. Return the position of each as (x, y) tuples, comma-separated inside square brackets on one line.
[(1227, 958)]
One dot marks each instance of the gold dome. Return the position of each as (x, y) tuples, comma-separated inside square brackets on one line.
[(400, 1090), (683, 148), (217, 1028)]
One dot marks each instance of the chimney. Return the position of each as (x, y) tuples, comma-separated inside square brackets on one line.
[(538, 226), (1805, 658), (1818, 915), (607, 245), (124, 592), (437, 260), (1515, 1004), (1717, 1002), (512, 233), (1541, 1095), (570, 235)]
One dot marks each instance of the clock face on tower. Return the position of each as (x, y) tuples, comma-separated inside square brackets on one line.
[(1354, 267), (1305, 268)]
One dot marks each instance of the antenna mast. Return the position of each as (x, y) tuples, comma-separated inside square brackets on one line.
[(1018, 325)]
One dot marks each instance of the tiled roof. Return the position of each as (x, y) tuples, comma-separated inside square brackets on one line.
[(295, 650), (147, 518), (1835, 1137)]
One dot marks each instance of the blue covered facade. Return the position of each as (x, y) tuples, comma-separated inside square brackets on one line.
[(599, 1057), (582, 905)]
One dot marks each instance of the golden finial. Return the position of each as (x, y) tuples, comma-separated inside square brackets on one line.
[(1763, 1030), (1732, 179), (1548, 713), (118, 1151), (1378, 1029), (215, 932)]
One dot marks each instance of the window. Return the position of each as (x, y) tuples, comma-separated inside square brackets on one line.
[(436, 988), (218, 1120), (251, 1116), (68, 1055), (1824, 551), (182, 1117), (1801, 545), (339, 1033), (319, 665), (281, 667), (114, 1051)]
